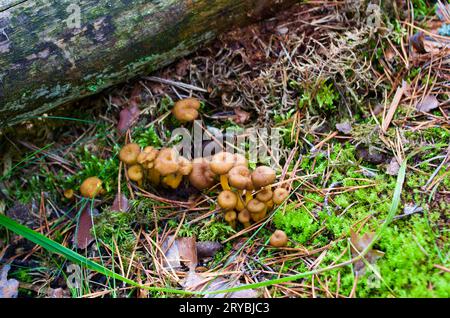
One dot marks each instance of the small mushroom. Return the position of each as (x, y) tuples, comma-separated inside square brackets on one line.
[(230, 218), (91, 187), (257, 209), (227, 200), (167, 162), (263, 176), (129, 153), (239, 177), (185, 166), (279, 195), (69, 194), (186, 109), (201, 176), (136, 174), (264, 195), (221, 164), (154, 176), (239, 160), (244, 217), (147, 157), (278, 239)]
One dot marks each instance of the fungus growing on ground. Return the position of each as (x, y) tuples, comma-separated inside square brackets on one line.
[(136, 174), (278, 239), (257, 209), (185, 166), (186, 109), (69, 194), (230, 218), (221, 164), (147, 157), (154, 176), (239, 160), (263, 176), (264, 195), (166, 162), (201, 176), (91, 187), (227, 200), (244, 217), (129, 153), (239, 177), (173, 180), (279, 195)]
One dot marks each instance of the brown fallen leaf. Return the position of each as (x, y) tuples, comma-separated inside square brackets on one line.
[(120, 203), (180, 251), (430, 102), (344, 127), (207, 249), (128, 117), (197, 282), (393, 167), (83, 236), (9, 288), (359, 244)]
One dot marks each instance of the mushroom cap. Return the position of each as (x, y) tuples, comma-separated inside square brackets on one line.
[(263, 176), (91, 187), (167, 161), (129, 153), (239, 177), (255, 206), (230, 216), (69, 193), (279, 195), (278, 239), (256, 217), (244, 216), (136, 173), (185, 166), (227, 200), (147, 155), (201, 176), (186, 109), (222, 162), (264, 195)]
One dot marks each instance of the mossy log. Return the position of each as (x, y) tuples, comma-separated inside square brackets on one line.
[(56, 51)]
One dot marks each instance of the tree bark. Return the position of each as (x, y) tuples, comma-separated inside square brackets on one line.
[(51, 55)]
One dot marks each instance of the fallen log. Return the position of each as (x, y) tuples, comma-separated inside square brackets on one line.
[(57, 51)]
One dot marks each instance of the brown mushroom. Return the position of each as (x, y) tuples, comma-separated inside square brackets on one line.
[(280, 195), (186, 109), (263, 176), (264, 195), (255, 206), (230, 218), (256, 217), (278, 239), (69, 194), (239, 177), (129, 153), (201, 176), (185, 166), (244, 217), (167, 162), (91, 187), (221, 164), (227, 200), (136, 173), (240, 160), (147, 157)]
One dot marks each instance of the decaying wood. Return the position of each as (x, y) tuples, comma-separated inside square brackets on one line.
[(50, 54)]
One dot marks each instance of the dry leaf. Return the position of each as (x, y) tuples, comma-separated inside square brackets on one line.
[(9, 288), (120, 203), (359, 244), (207, 249), (344, 127), (393, 167), (83, 236), (196, 282), (182, 251), (128, 117), (430, 102)]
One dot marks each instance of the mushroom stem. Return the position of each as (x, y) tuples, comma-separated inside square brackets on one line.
[(173, 180), (240, 204), (269, 204), (248, 196), (224, 182)]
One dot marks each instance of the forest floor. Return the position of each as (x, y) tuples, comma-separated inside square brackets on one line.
[(361, 100)]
